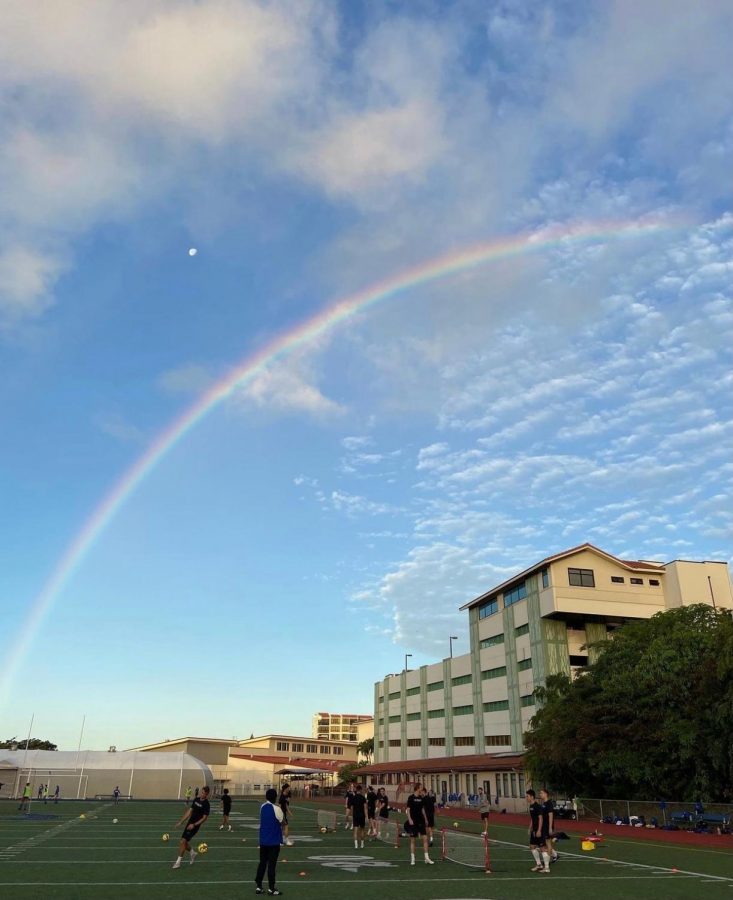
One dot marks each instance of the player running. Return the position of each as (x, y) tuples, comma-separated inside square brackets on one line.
[(417, 823), (537, 834), (194, 817)]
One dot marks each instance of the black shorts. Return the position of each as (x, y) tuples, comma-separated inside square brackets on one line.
[(430, 816), (540, 841), (415, 829), (189, 831), (359, 820), (485, 815)]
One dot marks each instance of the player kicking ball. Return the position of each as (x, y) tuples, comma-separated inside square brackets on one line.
[(194, 817)]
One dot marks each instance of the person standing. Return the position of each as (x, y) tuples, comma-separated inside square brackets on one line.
[(349, 797), (45, 794), (188, 794), (283, 801), (57, 794), (382, 809), (271, 835), (358, 816), (537, 834), (116, 794), (25, 800), (484, 808), (428, 801), (417, 823), (226, 808), (40, 792), (371, 802), (194, 817), (548, 811)]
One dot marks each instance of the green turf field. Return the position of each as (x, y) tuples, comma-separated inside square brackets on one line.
[(64, 856)]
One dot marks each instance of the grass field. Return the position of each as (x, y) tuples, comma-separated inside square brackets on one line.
[(55, 854)]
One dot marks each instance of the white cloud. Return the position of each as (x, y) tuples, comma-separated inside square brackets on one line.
[(191, 378), (27, 276), (287, 387)]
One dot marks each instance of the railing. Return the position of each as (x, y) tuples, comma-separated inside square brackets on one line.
[(666, 812)]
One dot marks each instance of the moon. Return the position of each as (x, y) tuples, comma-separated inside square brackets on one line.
[(193, 251)]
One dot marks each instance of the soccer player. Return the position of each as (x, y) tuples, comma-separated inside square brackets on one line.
[(429, 806), (358, 816), (537, 834), (382, 809), (283, 801), (116, 794), (56, 794), (548, 810), (25, 800), (371, 800), (188, 794), (271, 835), (194, 817), (484, 807), (226, 808), (417, 823), (349, 797)]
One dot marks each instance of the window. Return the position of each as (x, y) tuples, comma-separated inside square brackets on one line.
[(522, 629), (412, 691), (381, 698), (524, 664), (394, 743), (463, 742), (436, 686), (436, 742), (325, 750), (636, 580), (463, 710), (282, 745), (505, 779), (395, 695), (617, 579), (498, 740), (578, 660), (515, 594), (393, 719), (311, 748), (488, 609), (460, 679), (436, 713), (297, 748), (498, 672), (654, 582), (545, 578), (413, 717), (381, 745), (581, 577), (413, 742), (338, 751), (513, 777), (496, 705), (492, 641), (528, 700)]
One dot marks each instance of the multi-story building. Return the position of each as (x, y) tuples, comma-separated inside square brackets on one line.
[(338, 726), (543, 620)]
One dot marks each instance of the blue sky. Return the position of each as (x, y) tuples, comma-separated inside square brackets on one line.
[(333, 514)]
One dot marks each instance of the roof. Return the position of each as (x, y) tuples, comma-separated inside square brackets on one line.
[(232, 742), (632, 565), (60, 761), (494, 762), (321, 765)]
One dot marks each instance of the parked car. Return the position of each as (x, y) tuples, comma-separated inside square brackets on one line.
[(565, 809)]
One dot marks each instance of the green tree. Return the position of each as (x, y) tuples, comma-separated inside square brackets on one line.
[(651, 718), (366, 748), (33, 744)]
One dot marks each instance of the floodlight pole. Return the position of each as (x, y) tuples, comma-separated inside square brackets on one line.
[(407, 656), (452, 638)]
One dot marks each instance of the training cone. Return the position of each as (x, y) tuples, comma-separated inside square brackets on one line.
[(588, 845)]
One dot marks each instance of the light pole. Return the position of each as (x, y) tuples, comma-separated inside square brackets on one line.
[(452, 638), (407, 656)]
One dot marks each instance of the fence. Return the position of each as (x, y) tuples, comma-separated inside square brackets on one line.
[(663, 811)]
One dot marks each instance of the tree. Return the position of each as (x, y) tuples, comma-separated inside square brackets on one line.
[(652, 717), (366, 748), (349, 771), (33, 744)]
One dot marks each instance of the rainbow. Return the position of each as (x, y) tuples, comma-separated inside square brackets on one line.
[(245, 371)]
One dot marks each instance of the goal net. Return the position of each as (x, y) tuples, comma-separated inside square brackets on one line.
[(466, 849), (329, 819), (389, 832)]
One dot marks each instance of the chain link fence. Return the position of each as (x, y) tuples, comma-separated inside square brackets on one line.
[(661, 813)]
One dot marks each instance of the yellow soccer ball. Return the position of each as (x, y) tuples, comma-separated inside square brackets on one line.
[(202, 848), (166, 837), (455, 824), (324, 829), (82, 816)]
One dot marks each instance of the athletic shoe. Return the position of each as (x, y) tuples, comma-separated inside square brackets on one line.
[(545, 871), (428, 861), (230, 828), (258, 890), (289, 843), (362, 845), (536, 869), (412, 860), (221, 828), (194, 854), (176, 864), (554, 859), (275, 893)]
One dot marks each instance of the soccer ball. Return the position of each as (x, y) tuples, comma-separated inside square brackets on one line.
[(202, 848), (166, 837), (114, 821), (324, 829), (455, 824), (82, 816)]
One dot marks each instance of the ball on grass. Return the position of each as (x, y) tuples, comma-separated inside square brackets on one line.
[(114, 821), (324, 829), (202, 848), (82, 816), (165, 837), (455, 824), (301, 873)]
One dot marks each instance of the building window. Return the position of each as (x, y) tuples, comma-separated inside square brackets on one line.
[(515, 594), (393, 719), (311, 748), (325, 750), (297, 748), (412, 691), (513, 777), (524, 664), (545, 578), (528, 700), (496, 705), (636, 580), (436, 742), (338, 751), (394, 743), (505, 779), (654, 582), (463, 710), (395, 695), (498, 672), (488, 609), (576, 660), (617, 579), (521, 629), (413, 717), (581, 578), (381, 745), (436, 713), (436, 686), (498, 740), (282, 745), (460, 679), (381, 698), (492, 641), (463, 742), (413, 742)]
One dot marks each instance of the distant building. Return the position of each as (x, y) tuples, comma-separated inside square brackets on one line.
[(338, 726), (541, 621)]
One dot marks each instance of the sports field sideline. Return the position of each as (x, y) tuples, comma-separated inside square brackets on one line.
[(53, 853)]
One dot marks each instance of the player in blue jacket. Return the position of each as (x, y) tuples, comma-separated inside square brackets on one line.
[(271, 836)]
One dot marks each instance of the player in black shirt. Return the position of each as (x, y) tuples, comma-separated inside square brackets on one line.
[(428, 802), (226, 808), (358, 816), (548, 810), (194, 817), (349, 797), (537, 834), (417, 823), (284, 803), (382, 809), (371, 799)]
